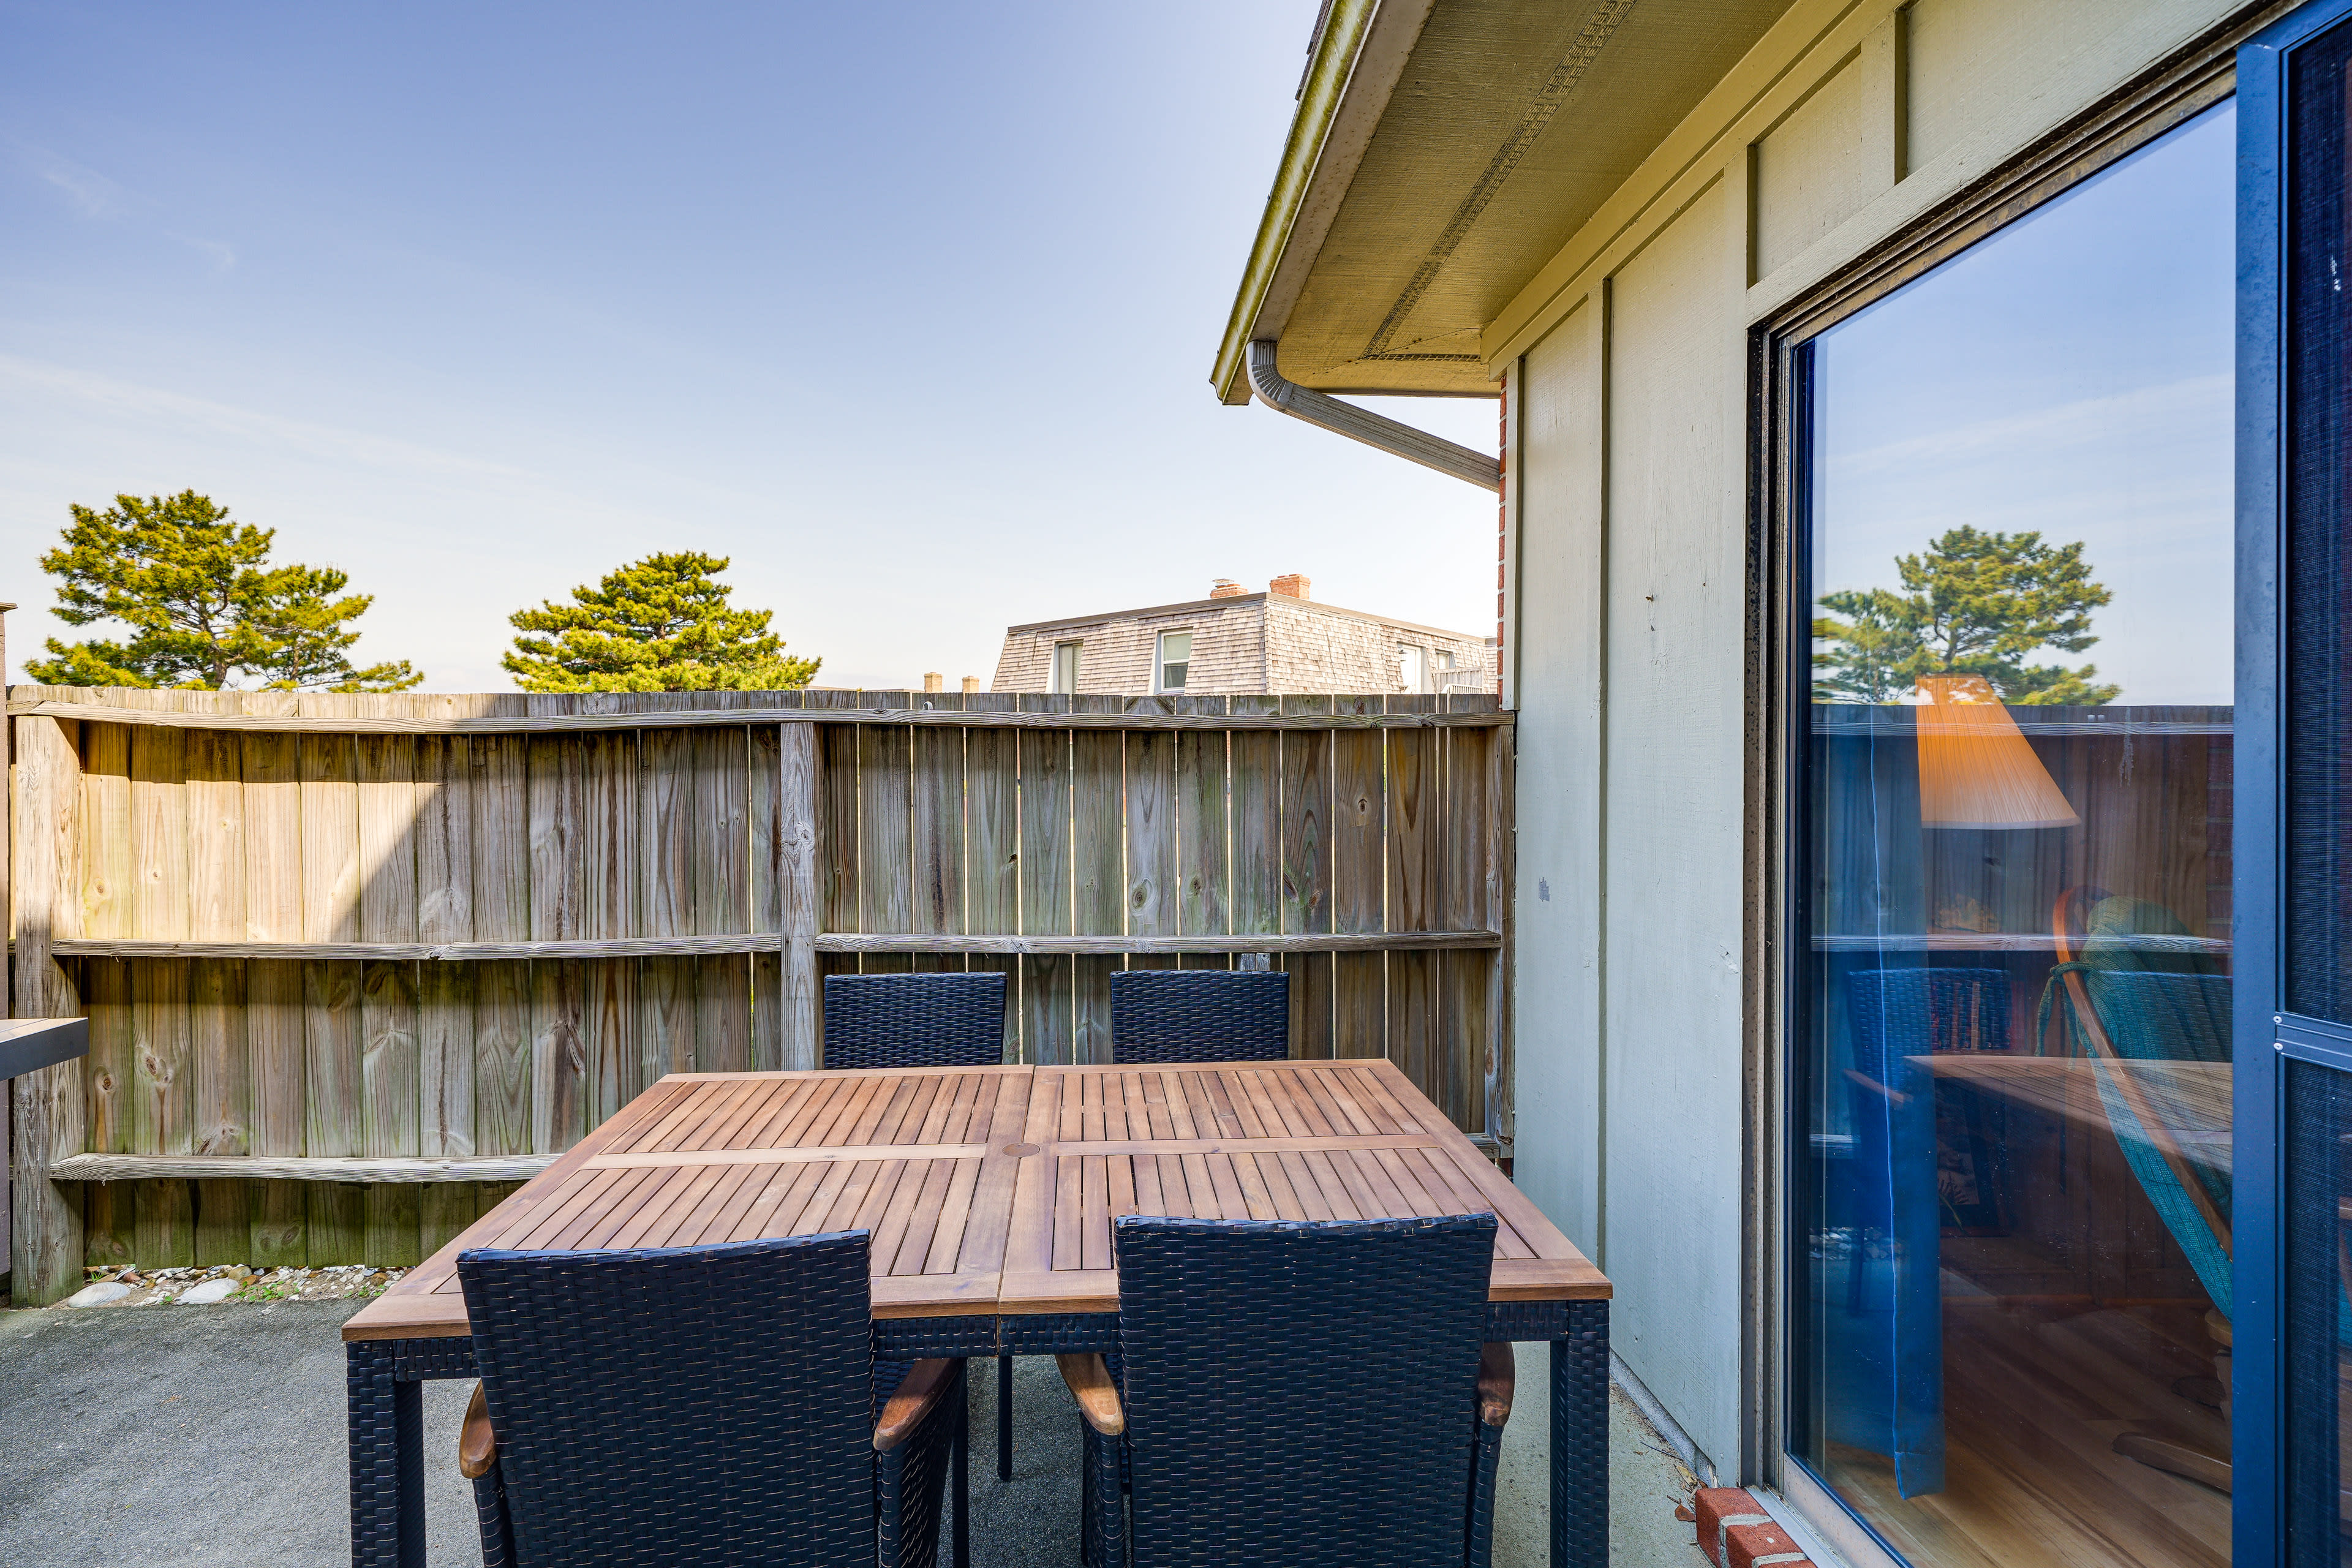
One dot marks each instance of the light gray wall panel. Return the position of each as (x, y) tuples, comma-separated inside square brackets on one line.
[(1672, 925), (1556, 1007)]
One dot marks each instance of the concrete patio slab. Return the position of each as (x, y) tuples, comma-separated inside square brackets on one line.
[(213, 1437)]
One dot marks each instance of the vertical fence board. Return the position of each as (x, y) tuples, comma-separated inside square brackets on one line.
[(105, 894), (800, 909), (935, 834), (1156, 884), (1204, 869), (48, 1110), (1359, 866), (608, 903), (1099, 871), (1046, 1026), (884, 868), (557, 1062), (161, 1112), (720, 850), (767, 898), (1462, 981), (223, 1090), (276, 1053), (1305, 881), (501, 809), (1414, 900), (109, 1233), (665, 810), (992, 848), (446, 999), (331, 1022), (1501, 861), (385, 768)]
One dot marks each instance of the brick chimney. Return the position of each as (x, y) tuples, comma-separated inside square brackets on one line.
[(1224, 588), (1290, 585), (934, 681), (971, 684)]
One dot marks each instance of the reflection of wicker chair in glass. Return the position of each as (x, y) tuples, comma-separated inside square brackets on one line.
[(2139, 989)]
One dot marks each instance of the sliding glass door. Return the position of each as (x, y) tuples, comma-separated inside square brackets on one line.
[(2295, 505), (2012, 1317)]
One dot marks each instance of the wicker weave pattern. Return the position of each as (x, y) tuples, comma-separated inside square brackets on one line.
[(419, 1361), (1579, 1436), (655, 1406), (387, 1419), (496, 1523), (1199, 1015), (1298, 1393), (909, 1480), (914, 1020)]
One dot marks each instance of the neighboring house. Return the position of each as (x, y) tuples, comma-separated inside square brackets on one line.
[(1280, 640), (1894, 1023)]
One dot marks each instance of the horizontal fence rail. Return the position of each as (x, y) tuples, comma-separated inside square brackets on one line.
[(354, 964)]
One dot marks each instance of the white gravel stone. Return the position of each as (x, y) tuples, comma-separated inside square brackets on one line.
[(98, 1295), (211, 1290)]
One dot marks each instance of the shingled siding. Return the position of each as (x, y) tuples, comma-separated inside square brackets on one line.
[(1311, 648), (1228, 649), (1249, 643)]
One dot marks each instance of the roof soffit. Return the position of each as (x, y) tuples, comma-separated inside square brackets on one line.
[(1508, 126)]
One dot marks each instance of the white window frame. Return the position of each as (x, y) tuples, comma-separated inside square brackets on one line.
[(1160, 661), (1053, 678)]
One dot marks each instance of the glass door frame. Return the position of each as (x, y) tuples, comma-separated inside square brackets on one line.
[(1779, 685), (2267, 1032)]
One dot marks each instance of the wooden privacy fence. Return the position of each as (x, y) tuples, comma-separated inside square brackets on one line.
[(353, 965)]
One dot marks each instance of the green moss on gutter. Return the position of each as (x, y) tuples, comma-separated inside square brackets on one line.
[(1318, 105)]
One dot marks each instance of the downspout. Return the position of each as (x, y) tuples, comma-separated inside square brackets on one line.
[(1390, 436)]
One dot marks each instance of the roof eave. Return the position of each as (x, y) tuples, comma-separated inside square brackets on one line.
[(1359, 58)]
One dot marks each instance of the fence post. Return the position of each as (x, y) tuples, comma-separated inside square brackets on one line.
[(796, 808), (46, 1108)]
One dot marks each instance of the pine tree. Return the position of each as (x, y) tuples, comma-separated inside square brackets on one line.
[(1973, 603), (662, 623), (205, 608)]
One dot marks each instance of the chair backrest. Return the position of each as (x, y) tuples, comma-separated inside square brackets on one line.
[(2138, 989), (684, 1405), (1300, 1391), (1199, 1015), (939, 1020)]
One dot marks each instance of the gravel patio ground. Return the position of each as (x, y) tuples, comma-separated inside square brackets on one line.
[(174, 1437)]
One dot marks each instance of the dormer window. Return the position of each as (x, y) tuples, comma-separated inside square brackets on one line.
[(1175, 660)]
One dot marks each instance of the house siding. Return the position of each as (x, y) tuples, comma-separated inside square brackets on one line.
[(1847, 126), (1255, 643)]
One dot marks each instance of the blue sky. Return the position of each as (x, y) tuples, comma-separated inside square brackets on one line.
[(2071, 374), (908, 309)]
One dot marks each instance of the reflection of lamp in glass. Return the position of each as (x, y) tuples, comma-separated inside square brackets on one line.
[(1976, 769)]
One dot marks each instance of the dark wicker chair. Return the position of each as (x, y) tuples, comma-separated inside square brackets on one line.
[(1199, 1015), (712, 1404), (942, 1020), (1295, 1391)]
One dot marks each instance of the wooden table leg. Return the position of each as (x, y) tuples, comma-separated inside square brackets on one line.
[(1579, 1439), (387, 1458)]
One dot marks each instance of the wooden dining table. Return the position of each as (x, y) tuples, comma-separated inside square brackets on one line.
[(990, 1193)]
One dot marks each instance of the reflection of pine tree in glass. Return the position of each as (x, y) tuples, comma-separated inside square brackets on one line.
[(1972, 603)]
